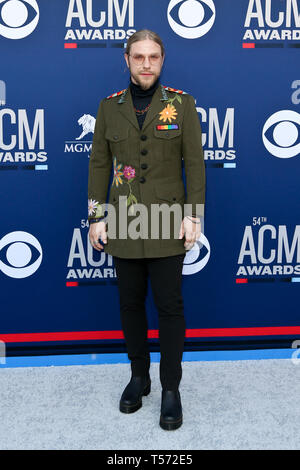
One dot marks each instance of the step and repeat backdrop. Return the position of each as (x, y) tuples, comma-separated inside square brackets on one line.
[(240, 61)]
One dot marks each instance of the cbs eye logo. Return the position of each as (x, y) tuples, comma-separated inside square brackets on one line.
[(195, 17), (18, 18), (190, 263), (283, 129), (23, 254)]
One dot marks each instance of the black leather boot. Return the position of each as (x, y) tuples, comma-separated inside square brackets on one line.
[(171, 410), (131, 399)]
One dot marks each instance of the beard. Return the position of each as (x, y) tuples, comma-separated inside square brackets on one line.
[(144, 82)]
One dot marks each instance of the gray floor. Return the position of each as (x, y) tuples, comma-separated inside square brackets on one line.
[(226, 405)]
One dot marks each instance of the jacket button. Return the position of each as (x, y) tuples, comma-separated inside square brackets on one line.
[(144, 152), (142, 179), (144, 166), (116, 137), (143, 137)]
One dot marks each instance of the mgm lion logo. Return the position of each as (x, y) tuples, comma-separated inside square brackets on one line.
[(88, 125)]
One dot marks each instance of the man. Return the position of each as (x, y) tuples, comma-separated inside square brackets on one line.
[(146, 131)]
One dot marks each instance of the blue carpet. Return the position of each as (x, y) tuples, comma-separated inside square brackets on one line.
[(89, 359)]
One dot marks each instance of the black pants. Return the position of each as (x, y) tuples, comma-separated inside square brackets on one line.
[(165, 278)]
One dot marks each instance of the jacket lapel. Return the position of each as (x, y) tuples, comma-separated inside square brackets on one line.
[(156, 106), (126, 108)]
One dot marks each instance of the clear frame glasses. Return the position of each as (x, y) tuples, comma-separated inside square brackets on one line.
[(139, 59)]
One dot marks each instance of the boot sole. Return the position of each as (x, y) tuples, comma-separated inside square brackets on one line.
[(135, 406), (169, 426)]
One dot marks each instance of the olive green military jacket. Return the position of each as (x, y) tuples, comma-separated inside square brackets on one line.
[(147, 169)]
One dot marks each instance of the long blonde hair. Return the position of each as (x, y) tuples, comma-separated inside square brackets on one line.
[(143, 34)]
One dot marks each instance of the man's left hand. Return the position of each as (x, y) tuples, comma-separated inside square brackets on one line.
[(191, 230)]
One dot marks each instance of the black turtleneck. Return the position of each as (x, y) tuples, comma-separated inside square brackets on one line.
[(141, 98)]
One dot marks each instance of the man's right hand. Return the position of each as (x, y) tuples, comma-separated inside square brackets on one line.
[(97, 230)]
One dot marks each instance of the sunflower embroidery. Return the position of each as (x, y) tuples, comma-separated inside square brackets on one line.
[(168, 113), (117, 173)]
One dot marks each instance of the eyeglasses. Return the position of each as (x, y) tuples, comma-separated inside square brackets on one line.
[(139, 59)]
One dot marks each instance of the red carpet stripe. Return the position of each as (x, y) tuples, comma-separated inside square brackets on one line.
[(118, 334)]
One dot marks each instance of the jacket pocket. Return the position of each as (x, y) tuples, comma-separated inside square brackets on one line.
[(170, 192), (116, 135), (170, 199), (118, 142), (167, 145), (167, 134)]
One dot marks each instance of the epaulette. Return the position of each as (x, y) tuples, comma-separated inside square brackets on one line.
[(168, 88), (116, 94)]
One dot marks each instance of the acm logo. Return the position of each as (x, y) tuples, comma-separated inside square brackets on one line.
[(217, 133), (275, 16), (269, 250), (86, 22), (22, 137)]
